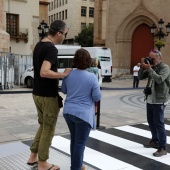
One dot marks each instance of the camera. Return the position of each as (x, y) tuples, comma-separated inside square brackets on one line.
[(148, 59), (147, 91)]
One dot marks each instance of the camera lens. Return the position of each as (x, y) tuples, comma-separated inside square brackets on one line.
[(148, 59)]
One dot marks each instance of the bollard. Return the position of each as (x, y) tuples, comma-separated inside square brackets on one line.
[(7, 85), (98, 117)]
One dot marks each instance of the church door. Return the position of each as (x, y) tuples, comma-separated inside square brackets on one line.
[(142, 44)]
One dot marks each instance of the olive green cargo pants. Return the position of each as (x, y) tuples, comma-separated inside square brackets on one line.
[(48, 110)]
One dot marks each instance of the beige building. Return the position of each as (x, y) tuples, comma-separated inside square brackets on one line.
[(4, 36), (19, 22), (76, 13), (124, 26)]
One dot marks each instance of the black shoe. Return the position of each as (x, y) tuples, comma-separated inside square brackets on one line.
[(152, 144), (160, 152)]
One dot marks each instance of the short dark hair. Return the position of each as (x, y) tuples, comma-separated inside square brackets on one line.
[(82, 59), (57, 26)]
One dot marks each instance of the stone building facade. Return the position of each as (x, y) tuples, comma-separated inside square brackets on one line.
[(4, 36), (76, 13), (43, 10), (19, 20), (124, 26)]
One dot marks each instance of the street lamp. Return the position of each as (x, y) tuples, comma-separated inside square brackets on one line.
[(160, 34), (43, 29)]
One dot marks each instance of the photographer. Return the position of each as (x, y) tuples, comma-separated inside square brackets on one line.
[(157, 94)]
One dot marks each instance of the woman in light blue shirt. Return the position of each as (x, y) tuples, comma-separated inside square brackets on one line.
[(82, 90)]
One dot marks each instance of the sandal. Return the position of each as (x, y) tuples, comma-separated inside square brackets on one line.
[(52, 167)]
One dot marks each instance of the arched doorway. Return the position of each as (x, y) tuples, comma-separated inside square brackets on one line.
[(142, 44)]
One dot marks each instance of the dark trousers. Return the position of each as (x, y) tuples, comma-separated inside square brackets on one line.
[(79, 131), (155, 117), (135, 81)]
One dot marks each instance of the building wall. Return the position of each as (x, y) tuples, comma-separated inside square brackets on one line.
[(74, 18), (4, 36), (122, 18), (43, 10), (28, 11), (100, 22)]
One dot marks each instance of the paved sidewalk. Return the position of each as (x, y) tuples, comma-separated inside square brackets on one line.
[(120, 105)]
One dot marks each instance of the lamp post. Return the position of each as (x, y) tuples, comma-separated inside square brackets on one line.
[(43, 29), (160, 34)]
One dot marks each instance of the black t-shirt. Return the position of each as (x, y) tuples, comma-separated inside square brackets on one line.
[(45, 87)]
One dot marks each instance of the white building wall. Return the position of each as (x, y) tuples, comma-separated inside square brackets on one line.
[(28, 11)]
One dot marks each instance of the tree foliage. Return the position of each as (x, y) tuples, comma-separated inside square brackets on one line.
[(85, 37)]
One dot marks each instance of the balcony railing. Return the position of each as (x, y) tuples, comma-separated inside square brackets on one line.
[(22, 35)]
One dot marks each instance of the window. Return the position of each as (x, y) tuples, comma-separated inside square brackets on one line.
[(59, 15), (12, 24), (60, 2), (54, 4), (83, 11), (91, 12), (91, 0), (62, 15), (57, 3), (63, 2), (65, 62), (51, 5), (66, 14), (54, 17), (49, 19), (83, 25), (66, 2)]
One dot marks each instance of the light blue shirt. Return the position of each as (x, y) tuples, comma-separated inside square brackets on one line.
[(94, 70), (82, 89)]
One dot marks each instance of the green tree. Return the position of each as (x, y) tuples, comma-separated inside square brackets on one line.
[(85, 37)]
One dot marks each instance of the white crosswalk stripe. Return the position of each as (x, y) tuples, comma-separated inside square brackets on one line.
[(138, 131), (113, 159), (91, 156)]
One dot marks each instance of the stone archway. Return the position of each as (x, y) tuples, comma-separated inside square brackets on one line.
[(125, 33)]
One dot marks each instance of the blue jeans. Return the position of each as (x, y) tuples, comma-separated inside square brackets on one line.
[(155, 117), (79, 131)]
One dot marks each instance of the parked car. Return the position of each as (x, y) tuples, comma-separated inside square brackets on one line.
[(27, 77)]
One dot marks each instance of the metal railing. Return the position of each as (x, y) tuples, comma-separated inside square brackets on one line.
[(12, 66)]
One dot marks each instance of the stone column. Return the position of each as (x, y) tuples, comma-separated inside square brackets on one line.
[(4, 36)]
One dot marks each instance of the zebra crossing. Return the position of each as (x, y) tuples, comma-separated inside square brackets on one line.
[(117, 148), (120, 148)]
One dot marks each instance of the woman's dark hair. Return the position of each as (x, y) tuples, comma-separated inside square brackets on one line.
[(57, 26), (82, 59)]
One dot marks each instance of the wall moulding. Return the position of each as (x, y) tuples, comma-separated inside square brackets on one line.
[(20, 0)]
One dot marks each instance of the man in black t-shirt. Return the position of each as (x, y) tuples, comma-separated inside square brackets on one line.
[(45, 93)]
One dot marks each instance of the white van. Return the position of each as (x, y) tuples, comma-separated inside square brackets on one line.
[(103, 54), (105, 58), (65, 58)]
